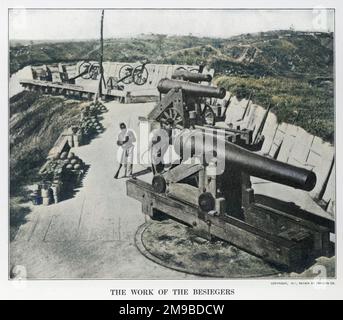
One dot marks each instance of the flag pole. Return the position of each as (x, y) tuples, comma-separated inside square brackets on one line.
[(102, 79)]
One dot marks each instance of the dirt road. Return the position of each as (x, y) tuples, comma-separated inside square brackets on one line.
[(92, 234)]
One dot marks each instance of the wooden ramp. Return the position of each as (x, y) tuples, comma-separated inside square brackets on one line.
[(88, 88)]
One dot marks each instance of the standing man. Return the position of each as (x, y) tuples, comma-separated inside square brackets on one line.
[(126, 138)]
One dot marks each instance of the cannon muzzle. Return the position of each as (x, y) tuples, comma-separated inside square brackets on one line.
[(191, 76), (194, 89), (240, 159)]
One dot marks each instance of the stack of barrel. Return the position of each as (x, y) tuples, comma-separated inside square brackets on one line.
[(45, 194)]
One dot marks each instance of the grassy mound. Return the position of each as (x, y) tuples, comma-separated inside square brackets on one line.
[(35, 124), (295, 101)]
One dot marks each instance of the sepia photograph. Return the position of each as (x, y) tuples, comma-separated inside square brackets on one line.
[(174, 144)]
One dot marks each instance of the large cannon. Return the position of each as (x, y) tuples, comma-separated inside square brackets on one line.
[(238, 158), (185, 103), (193, 89), (210, 190), (191, 76)]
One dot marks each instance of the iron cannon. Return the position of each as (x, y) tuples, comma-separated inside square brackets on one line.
[(238, 158), (191, 76), (220, 202), (194, 89)]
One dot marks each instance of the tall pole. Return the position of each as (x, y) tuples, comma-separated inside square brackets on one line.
[(102, 79)]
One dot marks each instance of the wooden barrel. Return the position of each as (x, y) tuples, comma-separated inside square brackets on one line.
[(45, 193)]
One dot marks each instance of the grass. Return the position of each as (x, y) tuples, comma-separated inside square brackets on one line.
[(282, 52), (35, 125), (22, 101), (293, 100)]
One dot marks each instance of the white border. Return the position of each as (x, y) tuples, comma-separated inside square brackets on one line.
[(100, 289)]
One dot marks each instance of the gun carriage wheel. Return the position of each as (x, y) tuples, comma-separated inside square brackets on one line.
[(89, 70), (208, 115), (140, 75), (171, 117), (94, 70), (125, 73), (83, 69)]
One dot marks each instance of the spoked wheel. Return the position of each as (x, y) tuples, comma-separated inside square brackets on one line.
[(171, 117), (94, 71), (83, 69), (140, 75), (125, 74), (208, 116)]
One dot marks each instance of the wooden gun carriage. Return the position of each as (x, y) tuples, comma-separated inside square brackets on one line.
[(210, 188)]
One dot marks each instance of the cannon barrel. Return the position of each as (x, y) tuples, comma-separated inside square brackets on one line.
[(238, 158), (194, 89), (191, 76)]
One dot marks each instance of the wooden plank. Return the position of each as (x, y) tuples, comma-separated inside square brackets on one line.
[(256, 119), (301, 148), (272, 248), (181, 171), (320, 158), (235, 111), (280, 223), (184, 192), (268, 132), (58, 146), (288, 143), (278, 138), (144, 193), (330, 193), (254, 243)]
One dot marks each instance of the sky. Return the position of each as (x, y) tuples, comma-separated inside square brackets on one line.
[(57, 24)]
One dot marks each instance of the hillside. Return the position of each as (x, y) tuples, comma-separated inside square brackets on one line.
[(281, 53), (36, 122), (310, 106), (289, 69)]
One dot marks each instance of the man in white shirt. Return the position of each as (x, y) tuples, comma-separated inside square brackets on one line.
[(125, 140)]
